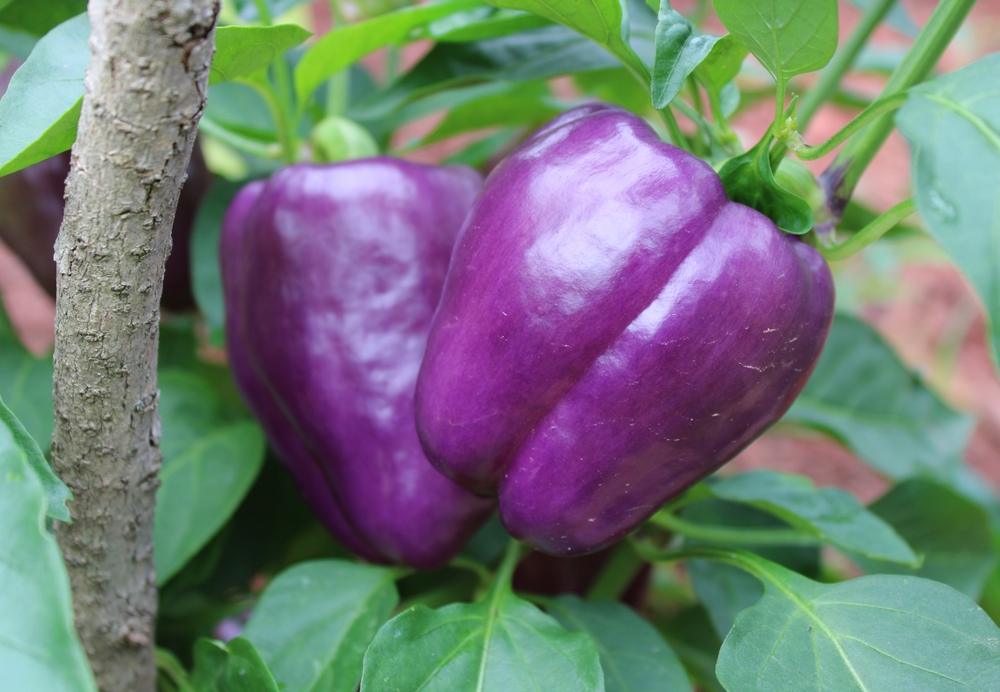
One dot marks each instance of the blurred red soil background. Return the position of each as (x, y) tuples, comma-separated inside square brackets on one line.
[(907, 290)]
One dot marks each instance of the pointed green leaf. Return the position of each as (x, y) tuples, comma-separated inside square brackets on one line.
[(863, 395), (953, 126), (789, 37), (243, 50), (39, 649), (497, 645), (209, 464), (830, 514), (606, 22), (343, 46), (679, 50), (951, 532), (634, 656), (884, 633), (314, 622), (26, 384), (38, 113)]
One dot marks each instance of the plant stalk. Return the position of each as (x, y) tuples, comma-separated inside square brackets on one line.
[(840, 179), (843, 60)]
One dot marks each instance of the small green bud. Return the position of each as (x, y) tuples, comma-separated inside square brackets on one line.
[(340, 139)]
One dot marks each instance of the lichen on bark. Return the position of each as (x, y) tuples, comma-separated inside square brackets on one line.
[(145, 91)]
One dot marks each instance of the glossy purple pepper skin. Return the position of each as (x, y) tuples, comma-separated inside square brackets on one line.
[(612, 330), (332, 274)]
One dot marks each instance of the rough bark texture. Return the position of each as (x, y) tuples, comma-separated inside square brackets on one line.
[(145, 92)]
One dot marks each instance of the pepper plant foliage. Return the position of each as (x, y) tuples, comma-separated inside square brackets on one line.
[(731, 584)]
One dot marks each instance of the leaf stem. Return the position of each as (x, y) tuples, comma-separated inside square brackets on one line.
[(843, 60), (173, 669), (481, 571), (505, 572), (842, 176), (886, 104), (732, 535), (244, 144), (618, 573), (676, 136), (870, 233)]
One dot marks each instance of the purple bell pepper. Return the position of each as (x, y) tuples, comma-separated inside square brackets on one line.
[(612, 330), (332, 274), (31, 211)]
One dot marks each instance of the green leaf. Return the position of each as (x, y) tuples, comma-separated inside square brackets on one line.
[(953, 126), (39, 649), (748, 179), (209, 464), (691, 635), (500, 644), (789, 37), (345, 45), (531, 55), (606, 22), (725, 590), (314, 622), (38, 113), (232, 667), (26, 384), (679, 50), (882, 633), (526, 103), (39, 18), (246, 670), (210, 658), (206, 277), (634, 656), (56, 492), (244, 50), (951, 532), (483, 22), (722, 64), (865, 397), (830, 514)]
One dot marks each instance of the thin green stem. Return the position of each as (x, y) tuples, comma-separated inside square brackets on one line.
[(483, 573), (618, 573), (391, 63), (870, 233), (238, 142), (505, 572), (282, 120), (338, 88), (779, 108), (884, 105), (732, 535), (264, 11), (676, 136), (708, 128), (844, 173), (173, 669), (843, 60)]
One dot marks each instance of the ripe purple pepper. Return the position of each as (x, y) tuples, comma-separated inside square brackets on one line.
[(612, 330), (332, 273)]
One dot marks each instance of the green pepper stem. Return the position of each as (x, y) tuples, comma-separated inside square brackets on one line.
[(676, 136), (886, 104), (481, 571), (617, 574), (167, 663), (505, 572), (870, 233), (732, 535), (843, 60), (843, 175)]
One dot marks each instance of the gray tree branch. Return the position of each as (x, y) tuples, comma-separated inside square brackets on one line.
[(145, 91)]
